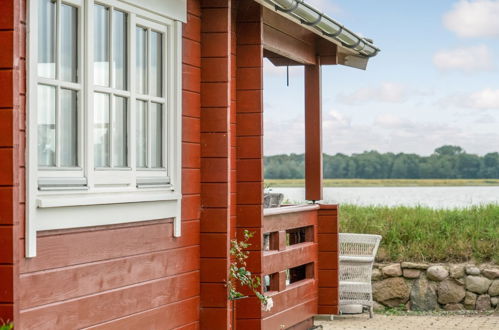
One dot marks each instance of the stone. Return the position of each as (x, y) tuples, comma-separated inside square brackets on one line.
[(494, 301), (456, 271), (392, 270), (470, 300), (411, 273), (472, 270), (377, 307), (454, 307), (414, 265), (437, 273), (483, 303), (491, 273), (494, 288), (424, 295), (477, 284), (450, 292), (391, 292), (376, 275)]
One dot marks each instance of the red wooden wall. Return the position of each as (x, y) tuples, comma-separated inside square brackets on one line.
[(329, 251), (12, 137), (112, 277), (137, 275)]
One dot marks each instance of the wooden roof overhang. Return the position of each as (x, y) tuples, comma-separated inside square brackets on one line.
[(286, 43), (289, 41)]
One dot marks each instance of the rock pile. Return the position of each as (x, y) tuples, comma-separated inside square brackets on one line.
[(427, 287)]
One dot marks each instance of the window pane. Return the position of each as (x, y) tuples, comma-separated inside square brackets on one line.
[(156, 114), (46, 125), (101, 130), (69, 45), (46, 38), (156, 63), (141, 55), (119, 49), (69, 128), (141, 132), (101, 45), (120, 132)]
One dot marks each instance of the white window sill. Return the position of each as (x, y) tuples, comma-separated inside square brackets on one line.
[(87, 199)]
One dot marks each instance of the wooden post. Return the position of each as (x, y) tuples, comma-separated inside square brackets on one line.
[(313, 132)]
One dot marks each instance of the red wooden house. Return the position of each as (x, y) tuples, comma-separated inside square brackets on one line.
[(131, 154)]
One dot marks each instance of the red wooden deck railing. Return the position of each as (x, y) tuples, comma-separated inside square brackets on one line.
[(300, 264)]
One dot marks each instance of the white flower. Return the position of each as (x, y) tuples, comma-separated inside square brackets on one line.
[(268, 305)]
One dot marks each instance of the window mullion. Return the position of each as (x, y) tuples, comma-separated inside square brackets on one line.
[(148, 133), (88, 82), (110, 133), (112, 86), (131, 84), (58, 126), (111, 50), (57, 19)]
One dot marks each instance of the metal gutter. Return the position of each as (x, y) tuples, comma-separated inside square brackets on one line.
[(325, 26)]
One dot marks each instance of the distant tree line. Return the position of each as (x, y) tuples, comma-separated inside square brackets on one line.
[(447, 162)]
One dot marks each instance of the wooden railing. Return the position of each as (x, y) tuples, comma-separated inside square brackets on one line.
[(300, 264)]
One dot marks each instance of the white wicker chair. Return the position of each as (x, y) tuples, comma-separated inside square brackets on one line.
[(357, 252)]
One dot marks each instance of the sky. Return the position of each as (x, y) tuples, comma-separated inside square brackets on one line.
[(435, 81)]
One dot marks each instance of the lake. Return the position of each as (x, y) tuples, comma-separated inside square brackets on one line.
[(434, 197)]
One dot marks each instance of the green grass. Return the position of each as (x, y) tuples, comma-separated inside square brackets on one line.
[(385, 182), (429, 235)]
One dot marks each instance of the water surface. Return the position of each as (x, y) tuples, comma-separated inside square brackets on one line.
[(434, 197)]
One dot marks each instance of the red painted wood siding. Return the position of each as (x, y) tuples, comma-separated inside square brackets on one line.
[(217, 163), (249, 140), (329, 253), (111, 277), (12, 137)]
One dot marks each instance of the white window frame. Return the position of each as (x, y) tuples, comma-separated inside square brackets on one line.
[(95, 197)]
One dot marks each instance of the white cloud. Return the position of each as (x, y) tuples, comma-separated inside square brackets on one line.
[(386, 133), (485, 99), (467, 59), (386, 92), (478, 18), (391, 121)]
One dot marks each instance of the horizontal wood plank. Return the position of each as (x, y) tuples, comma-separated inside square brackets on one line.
[(109, 305), (294, 255), (82, 247), (179, 314), (45, 287), (290, 220), (291, 316)]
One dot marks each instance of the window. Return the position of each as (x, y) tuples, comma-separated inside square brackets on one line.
[(104, 113)]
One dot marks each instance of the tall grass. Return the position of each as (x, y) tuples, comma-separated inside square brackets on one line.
[(424, 234)]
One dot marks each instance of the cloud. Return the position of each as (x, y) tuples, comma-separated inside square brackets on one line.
[(391, 121), (386, 133), (474, 18), (386, 92), (466, 59), (485, 99)]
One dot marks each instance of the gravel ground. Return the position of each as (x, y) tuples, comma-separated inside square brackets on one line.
[(420, 322)]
